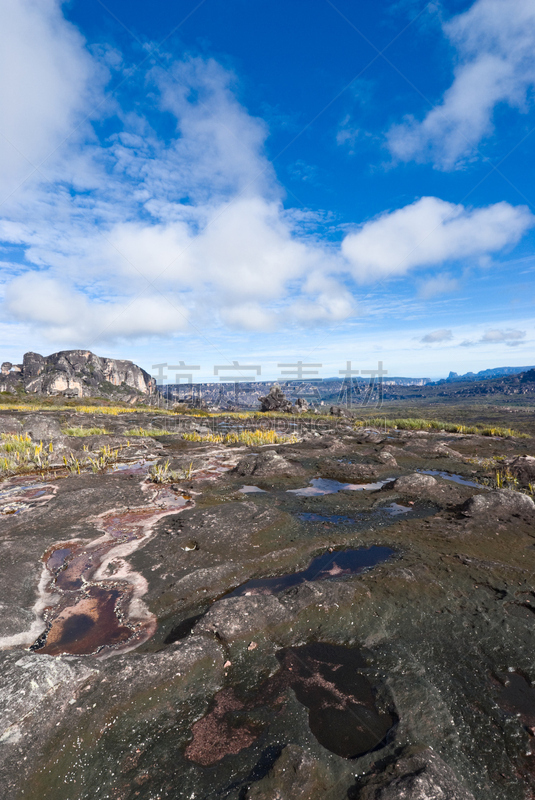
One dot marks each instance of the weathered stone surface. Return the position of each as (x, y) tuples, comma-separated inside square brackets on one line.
[(412, 484), (523, 468), (266, 463), (296, 775), (502, 503), (424, 776), (438, 624), (347, 472), (237, 616)]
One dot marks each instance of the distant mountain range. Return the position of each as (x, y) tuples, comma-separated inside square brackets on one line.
[(484, 374)]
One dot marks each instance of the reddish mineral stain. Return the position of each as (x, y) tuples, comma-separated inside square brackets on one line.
[(83, 628)]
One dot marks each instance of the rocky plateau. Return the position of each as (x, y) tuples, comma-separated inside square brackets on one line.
[(348, 616)]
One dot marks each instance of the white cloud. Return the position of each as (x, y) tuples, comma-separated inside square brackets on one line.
[(48, 83), (430, 232), (508, 336), (441, 335), (190, 229), (511, 337), (440, 284), (495, 42)]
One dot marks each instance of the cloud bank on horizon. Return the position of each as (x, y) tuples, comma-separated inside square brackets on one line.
[(160, 212)]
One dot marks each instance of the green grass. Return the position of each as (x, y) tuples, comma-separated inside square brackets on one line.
[(148, 432), (415, 424), (79, 431)]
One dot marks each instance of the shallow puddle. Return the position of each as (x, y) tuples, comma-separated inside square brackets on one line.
[(451, 476), (394, 509), (343, 715), (251, 490), (336, 564), (319, 486)]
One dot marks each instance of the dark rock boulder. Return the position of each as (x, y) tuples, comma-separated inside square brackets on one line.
[(412, 484), (424, 776), (275, 400), (500, 504), (235, 617), (266, 463), (347, 473)]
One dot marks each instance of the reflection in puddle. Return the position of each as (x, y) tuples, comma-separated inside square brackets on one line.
[(329, 565), (394, 509), (450, 476), (251, 490), (319, 486)]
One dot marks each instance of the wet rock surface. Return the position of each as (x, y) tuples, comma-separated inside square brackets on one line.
[(372, 639)]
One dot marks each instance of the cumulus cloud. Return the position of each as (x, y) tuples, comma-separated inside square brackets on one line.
[(510, 337), (141, 235), (495, 42), (441, 335), (48, 84), (429, 232)]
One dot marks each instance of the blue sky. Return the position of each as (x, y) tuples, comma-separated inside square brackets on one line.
[(269, 182)]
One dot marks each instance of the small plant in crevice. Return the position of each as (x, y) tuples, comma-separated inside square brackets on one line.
[(161, 473), (18, 453)]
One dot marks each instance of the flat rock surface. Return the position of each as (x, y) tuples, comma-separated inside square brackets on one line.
[(174, 640)]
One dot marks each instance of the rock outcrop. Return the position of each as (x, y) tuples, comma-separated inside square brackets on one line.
[(423, 776), (500, 504), (76, 373), (276, 400)]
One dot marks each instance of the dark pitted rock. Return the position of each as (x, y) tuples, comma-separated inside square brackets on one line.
[(296, 775), (42, 427), (523, 468), (266, 463), (235, 617), (501, 504), (275, 400), (412, 484), (386, 456), (347, 473), (33, 365), (424, 776), (424, 448)]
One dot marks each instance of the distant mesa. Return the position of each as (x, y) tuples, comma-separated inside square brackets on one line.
[(76, 373)]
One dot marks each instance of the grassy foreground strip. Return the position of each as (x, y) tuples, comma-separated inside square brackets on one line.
[(85, 409), (413, 424), (79, 431), (250, 438)]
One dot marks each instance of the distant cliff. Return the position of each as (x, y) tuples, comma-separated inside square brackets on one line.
[(76, 373)]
